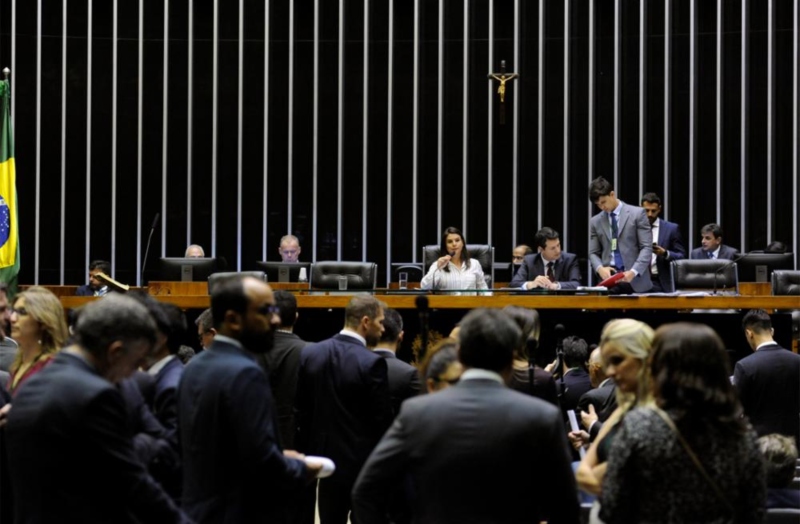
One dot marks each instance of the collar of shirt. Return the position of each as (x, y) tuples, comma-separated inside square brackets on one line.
[(716, 252), (102, 291), (383, 351), (555, 262), (289, 331), (352, 334), (764, 344), (158, 366), (228, 340), (616, 211), (478, 374), (603, 383)]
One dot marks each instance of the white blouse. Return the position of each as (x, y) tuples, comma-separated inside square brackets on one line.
[(455, 279)]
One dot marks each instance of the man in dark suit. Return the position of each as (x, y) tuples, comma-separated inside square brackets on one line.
[(667, 245), (343, 404), (234, 469), (282, 364), (620, 240), (712, 246), (576, 378), (768, 381), (404, 381), (550, 268), (444, 444), (70, 452), (8, 347), (95, 287), (597, 404)]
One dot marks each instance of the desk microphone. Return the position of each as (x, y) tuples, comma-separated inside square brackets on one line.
[(422, 309), (450, 254), (731, 262), (147, 249)]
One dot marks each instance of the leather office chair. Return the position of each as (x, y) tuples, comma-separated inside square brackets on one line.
[(705, 275), (216, 278), (785, 282), (483, 253), (782, 516), (360, 275), (414, 270)]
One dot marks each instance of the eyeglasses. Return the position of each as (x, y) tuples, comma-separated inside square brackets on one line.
[(517, 258), (289, 251), (269, 310)]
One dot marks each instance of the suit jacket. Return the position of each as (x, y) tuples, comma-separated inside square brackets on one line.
[(475, 452), (404, 381), (669, 237), (234, 469), (768, 382), (566, 269), (70, 452), (281, 364), (604, 400), (576, 383), (725, 252), (343, 403), (8, 352), (635, 242), (165, 397)]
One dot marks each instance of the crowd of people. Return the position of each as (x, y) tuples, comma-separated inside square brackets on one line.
[(103, 421)]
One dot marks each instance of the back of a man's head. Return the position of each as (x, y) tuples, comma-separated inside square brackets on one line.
[(114, 318), (758, 321), (780, 458), (361, 306), (228, 295), (392, 326), (287, 304), (487, 340), (576, 352)]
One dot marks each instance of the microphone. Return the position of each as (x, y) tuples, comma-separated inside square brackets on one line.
[(451, 254), (147, 249), (422, 309), (723, 267), (559, 330)]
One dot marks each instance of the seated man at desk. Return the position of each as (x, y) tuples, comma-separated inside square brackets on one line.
[(194, 251), (95, 287), (550, 268), (289, 248), (712, 246)]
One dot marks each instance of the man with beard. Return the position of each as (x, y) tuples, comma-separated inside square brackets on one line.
[(343, 404), (234, 469)]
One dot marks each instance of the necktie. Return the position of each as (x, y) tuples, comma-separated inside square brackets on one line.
[(550, 273), (618, 263), (711, 255)]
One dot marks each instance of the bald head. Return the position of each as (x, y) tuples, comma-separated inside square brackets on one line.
[(596, 372)]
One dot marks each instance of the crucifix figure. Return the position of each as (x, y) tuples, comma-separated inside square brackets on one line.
[(502, 77)]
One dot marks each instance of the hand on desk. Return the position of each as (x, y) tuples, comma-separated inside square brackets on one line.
[(540, 281)]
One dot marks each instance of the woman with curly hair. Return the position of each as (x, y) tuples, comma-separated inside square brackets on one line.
[(39, 327)]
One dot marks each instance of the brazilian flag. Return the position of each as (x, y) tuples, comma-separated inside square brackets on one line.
[(9, 234)]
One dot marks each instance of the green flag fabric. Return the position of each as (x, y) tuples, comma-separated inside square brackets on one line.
[(9, 233)]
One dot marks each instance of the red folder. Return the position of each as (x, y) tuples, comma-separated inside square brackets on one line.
[(613, 280)]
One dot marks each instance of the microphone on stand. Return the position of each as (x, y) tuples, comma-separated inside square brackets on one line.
[(422, 309), (559, 330), (147, 249), (451, 254), (726, 266)]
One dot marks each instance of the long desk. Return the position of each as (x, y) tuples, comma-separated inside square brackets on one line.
[(338, 300)]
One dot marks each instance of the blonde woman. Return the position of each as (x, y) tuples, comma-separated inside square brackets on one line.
[(39, 328), (625, 347)]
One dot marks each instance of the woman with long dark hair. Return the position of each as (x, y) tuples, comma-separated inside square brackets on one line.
[(454, 270), (691, 457)]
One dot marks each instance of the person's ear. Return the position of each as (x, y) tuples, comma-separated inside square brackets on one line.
[(114, 351)]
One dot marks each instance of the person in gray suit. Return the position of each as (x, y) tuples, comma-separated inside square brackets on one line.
[(620, 239), (441, 446)]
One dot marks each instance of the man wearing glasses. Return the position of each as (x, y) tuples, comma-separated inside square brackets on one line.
[(289, 248), (235, 469)]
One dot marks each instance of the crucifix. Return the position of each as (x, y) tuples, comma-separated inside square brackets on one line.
[(502, 77)]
